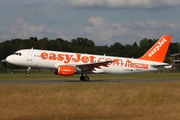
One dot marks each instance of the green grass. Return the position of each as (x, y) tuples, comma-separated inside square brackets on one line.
[(51, 76)]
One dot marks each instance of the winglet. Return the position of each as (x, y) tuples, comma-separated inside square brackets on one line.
[(158, 51)]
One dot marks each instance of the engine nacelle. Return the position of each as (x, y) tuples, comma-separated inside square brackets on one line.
[(65, 70)]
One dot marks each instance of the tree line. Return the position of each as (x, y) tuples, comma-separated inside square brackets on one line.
[(82, 45)]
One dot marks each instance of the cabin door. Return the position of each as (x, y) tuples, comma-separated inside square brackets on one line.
[(30, 55)]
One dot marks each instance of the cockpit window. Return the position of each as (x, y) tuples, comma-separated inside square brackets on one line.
[(17, 53)]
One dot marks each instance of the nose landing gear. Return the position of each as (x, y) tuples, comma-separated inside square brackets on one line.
[(28, 74)]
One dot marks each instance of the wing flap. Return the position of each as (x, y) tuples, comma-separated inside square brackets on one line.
[(91, 66)]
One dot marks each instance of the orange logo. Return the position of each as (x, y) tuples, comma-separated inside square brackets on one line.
[(67, 58), (157, 47)]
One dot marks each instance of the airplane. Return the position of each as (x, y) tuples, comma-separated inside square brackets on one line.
[(68, 63)]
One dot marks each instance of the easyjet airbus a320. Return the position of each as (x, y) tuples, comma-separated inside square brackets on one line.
[(68, 64)]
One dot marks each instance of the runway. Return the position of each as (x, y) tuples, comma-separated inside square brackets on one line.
[(91, 81)]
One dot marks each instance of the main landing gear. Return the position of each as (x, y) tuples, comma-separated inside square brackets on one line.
[(28, 74), (84, 78)]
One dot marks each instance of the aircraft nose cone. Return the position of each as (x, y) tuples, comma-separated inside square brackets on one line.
[(9, 59)]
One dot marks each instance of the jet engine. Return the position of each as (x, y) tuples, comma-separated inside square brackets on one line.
[(65, 70)]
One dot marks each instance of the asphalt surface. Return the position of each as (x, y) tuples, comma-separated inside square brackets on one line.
[(91, 81)]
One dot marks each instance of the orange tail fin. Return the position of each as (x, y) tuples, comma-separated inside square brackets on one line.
[(158, 51)]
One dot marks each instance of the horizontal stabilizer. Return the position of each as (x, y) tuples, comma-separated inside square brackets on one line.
[(166, 66)]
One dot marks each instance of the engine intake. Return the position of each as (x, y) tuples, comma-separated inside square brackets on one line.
[(65, 70)]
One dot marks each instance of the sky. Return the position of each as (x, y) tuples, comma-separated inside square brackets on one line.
[(103, 21)]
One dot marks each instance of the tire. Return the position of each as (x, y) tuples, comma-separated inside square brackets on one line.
[(86, 78), (27, 74), (82, 78)]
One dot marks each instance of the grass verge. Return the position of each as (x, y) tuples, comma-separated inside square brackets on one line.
[(127, 101), (51, 76)]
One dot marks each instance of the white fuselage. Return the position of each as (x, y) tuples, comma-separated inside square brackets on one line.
[(53, 59)]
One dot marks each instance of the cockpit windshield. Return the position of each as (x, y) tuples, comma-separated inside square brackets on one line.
[(17, 53)]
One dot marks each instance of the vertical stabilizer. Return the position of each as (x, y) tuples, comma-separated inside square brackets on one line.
[(158, 51)]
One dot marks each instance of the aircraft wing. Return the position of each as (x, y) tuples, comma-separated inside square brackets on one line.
[(91, 66), (87, 66)]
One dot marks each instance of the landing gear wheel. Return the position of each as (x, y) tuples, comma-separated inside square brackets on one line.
[(27, 74), (84, 78)]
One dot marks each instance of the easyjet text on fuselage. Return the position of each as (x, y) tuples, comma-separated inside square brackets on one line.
[(76, 58)]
